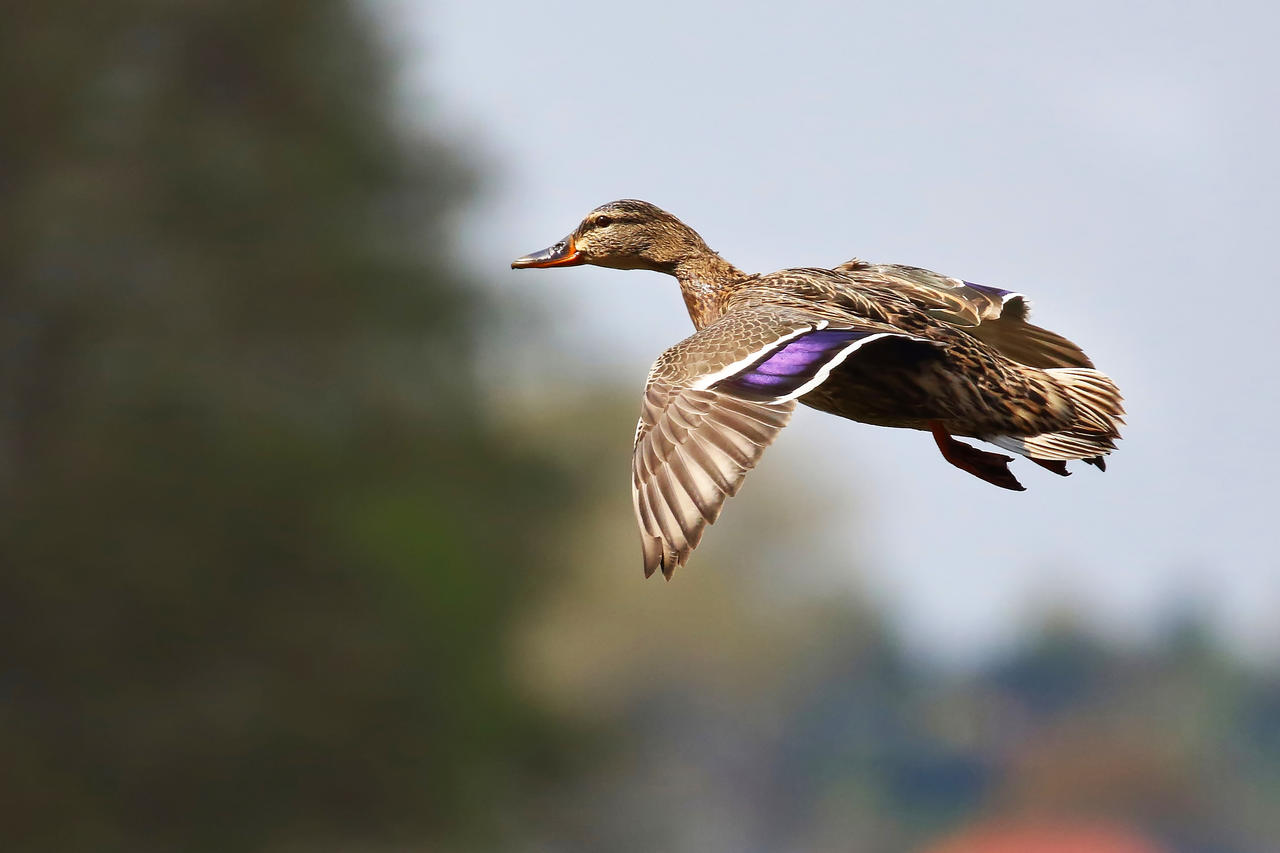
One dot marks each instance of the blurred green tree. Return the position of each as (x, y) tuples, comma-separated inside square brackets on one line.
[(252, 595)]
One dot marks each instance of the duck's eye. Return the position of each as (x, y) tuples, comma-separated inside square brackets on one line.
[(602, 221)]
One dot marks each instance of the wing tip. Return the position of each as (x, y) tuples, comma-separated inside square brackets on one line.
[(658, 556), (667, 566)]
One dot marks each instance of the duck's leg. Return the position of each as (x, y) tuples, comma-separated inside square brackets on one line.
[(992, 467)]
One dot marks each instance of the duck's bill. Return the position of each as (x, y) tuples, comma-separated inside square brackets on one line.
[(562, 254)]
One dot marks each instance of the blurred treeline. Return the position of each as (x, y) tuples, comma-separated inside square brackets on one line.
[(274, 576), (260, 545)]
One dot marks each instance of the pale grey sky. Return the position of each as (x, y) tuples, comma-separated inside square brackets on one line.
[(1117, 162)]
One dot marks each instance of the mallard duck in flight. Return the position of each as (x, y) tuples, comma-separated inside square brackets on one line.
[(882, 344)]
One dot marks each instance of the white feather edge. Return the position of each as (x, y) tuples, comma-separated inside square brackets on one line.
[(705, 382), (1010, 443), (835, 361), (959, 283), (1055, 447)]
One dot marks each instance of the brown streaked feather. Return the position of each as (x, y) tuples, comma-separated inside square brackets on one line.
[(999, 323), (967, 384), (945, 298), (1030, 344), (682, 476)]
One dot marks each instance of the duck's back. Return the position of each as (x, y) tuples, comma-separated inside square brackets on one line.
[(933, 363), (996, 317)]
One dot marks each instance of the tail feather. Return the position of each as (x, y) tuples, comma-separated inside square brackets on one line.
[(1095, 396), (1099, 415)]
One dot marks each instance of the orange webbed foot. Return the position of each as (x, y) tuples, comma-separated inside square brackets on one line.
[(992, 467)]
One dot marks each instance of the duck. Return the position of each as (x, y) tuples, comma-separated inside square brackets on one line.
[(882, 344)]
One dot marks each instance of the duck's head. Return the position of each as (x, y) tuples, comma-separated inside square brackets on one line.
[(626, 234)]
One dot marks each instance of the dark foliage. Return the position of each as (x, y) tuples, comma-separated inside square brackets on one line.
[(252, 593)]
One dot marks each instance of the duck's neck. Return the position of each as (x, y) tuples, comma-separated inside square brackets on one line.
[(706, 282)]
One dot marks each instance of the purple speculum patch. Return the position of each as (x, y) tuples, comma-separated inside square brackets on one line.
[(1001, 294), (793, 364)]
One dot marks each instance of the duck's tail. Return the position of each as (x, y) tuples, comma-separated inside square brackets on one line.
[(1099, 415)]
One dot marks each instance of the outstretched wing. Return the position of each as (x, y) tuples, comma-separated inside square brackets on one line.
[(996, 317), (712, 404), (693, 449)]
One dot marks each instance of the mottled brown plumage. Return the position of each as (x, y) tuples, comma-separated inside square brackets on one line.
[(883, 344)]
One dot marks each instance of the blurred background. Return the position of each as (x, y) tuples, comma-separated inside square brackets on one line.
[(316, 529)]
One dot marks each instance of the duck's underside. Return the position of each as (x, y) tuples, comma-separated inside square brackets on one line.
[(898, 382)]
